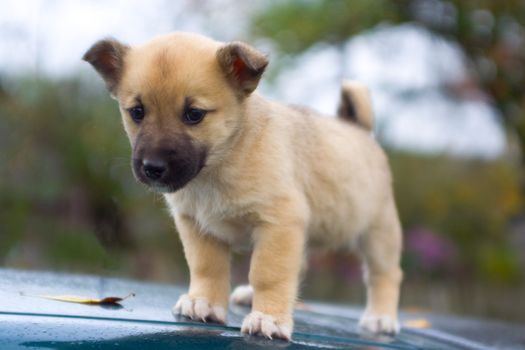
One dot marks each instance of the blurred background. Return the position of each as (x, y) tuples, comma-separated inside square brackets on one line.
[(447, 80)]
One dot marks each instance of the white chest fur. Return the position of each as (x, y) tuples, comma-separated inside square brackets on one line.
[(216, 214)]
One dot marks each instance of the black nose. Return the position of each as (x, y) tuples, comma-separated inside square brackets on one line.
[(154, 168)]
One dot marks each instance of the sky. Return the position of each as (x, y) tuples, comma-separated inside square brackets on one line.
[(50, 36)]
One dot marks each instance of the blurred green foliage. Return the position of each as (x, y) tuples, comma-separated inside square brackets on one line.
[(294, 26), (470, 202), (68, 198)]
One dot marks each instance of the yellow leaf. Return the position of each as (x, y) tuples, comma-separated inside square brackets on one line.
[(418, 323), (83, 300)]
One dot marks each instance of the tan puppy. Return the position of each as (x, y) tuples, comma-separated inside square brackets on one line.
[(238, 171)]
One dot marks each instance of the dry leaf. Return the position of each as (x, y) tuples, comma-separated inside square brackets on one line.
[(418, 323), (83, 300), (299, 305)]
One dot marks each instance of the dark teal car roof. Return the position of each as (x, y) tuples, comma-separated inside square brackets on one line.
[(145, 321)]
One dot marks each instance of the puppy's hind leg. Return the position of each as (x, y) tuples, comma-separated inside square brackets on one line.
[(380, 250), (242, 295)]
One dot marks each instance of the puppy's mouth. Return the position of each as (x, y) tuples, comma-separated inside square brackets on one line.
[(168, 174)]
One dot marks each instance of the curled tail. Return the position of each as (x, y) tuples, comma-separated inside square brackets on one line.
[(355, 105)]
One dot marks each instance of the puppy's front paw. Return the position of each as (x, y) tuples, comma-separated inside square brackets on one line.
[(199, 309), (242, 295), (379, 324), (259, 323)]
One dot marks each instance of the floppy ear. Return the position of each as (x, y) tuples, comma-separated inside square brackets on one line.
[(107, 57), (243, 66)]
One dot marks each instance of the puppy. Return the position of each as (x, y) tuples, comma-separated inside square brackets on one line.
[(238, 170)]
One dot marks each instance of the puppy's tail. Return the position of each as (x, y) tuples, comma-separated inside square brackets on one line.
[(355, 105)]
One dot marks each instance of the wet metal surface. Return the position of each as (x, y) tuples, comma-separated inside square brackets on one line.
[(145, 321)]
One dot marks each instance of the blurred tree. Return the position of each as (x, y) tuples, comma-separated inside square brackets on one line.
[(468, 202), (63, 160), (68, 199), (294, 26), (491, 34)]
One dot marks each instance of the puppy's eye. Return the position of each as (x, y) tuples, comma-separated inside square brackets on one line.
[(194, 115), (137, 113)]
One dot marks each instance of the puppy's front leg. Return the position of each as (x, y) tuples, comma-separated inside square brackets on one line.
[(209, 263), (274, 275)]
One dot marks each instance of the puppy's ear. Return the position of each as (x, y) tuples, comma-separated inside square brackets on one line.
[(107, 57), (243, 66)]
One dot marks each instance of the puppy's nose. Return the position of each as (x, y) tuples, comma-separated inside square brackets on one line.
[(154, 168)]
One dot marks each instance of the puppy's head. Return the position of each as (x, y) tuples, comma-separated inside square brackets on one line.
[(181, 97)]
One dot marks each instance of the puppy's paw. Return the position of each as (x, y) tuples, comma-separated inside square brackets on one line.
[(242, 295), (259, 323), (199, 309), (379, 324)]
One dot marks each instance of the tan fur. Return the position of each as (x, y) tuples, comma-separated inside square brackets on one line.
[(355, 105), (275, 178)]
